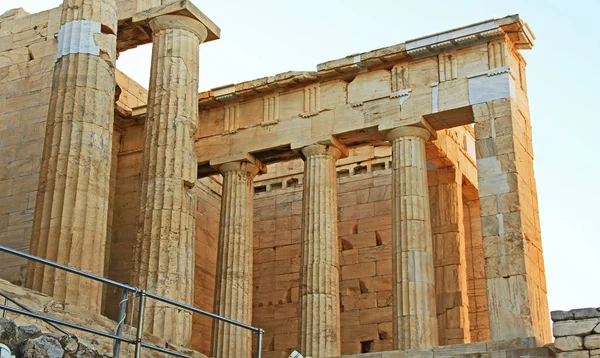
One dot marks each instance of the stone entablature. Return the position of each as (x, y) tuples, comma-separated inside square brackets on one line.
[(361, 96)]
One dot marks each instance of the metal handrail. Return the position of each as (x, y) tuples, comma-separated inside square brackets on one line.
[(22, 306), (140, 324)]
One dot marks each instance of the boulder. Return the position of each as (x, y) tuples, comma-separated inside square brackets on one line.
[(27, 332), (43, 346)]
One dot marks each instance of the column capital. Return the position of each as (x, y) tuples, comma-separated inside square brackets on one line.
[(250, 168), (408, 131), (312, 148), (239, 162), (321, 149), (165, 22)]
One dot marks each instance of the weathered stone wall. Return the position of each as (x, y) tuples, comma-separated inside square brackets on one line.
[(276, 268), (127, 186), (577, 333), (208, 195), (27, 48), (127, 164), (479, 323)]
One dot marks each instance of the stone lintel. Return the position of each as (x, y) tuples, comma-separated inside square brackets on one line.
[(282, 140), (240, 157)]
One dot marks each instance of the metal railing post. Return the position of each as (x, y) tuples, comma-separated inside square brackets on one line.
[(260, 339), (140, 325), (6, 304), (121, 322)]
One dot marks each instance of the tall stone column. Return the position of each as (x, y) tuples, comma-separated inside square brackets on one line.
[(233, 294), (164, 253), (414, 320), (449, 255), (73, 195), (319, 324)]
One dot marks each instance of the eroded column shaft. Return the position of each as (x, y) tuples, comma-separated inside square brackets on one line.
[(319, 325), (73, 195), (164, 253), (414, 321), (233, 295)]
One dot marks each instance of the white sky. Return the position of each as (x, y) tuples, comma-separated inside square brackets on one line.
[(262, 38)]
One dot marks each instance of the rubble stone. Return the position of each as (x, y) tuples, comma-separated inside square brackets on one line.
[(568, 343), (561, 315), (583, 313), (592, 341), (8, 330), (27, 332), (43, 346), (70, 344), (575, 327)]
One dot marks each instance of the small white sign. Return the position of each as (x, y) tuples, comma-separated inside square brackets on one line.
[(295, 354)]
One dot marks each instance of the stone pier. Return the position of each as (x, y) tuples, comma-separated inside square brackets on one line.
[(413, 284), (233, 291), (73, 195), (512, 243), (319, 320), (449, 255), (164, 254)]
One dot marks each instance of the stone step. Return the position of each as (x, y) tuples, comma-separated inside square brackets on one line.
[(515, 348)]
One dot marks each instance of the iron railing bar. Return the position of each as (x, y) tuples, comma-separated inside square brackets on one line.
[(22, 306), (130, 288), (122, 286), (67, 268), (165, 350), (202, 312), (67, 324), (91, 330)]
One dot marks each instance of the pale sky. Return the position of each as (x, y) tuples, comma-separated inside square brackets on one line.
[(262, 38)]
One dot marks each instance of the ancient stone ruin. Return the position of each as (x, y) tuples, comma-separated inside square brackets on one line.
[(385, 202)]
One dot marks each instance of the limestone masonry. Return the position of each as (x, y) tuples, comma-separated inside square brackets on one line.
[(385, 202)]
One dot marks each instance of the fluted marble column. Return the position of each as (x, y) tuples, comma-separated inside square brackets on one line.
[(233, 294), (319, 324), (414, 321), (72, 201), (164, 253)]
